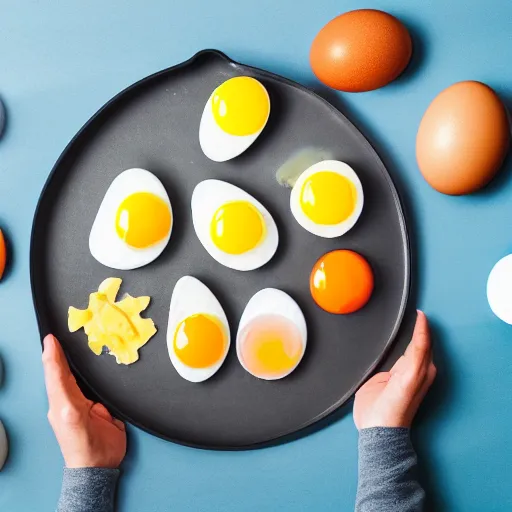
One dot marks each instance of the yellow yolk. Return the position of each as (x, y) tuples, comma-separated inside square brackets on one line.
[(237, 227), (270, 346), (200, 340), (115, 325), (328, 198), (143, 219), (241, 106)]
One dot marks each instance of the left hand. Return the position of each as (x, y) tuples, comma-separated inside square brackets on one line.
[(88, 435), (391, 399)]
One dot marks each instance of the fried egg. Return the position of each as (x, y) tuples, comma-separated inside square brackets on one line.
[(234, 116), (198, 335), (327, 199), (134, 222), (235, 229), (272, 335)]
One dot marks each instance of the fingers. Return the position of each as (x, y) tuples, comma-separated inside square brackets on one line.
[(54, 359), (410, 371), (119, 424), (101, 411), (418, 352), (431, 374), (399, 366), (61, 386), (429, 379)]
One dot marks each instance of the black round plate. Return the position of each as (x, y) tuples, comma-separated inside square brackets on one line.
[(154, 125)]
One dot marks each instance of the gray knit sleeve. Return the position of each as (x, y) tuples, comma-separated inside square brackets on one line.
[(388, 472), (88, 490)]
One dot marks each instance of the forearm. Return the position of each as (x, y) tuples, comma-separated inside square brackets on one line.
[(88, 489), (388, 472)]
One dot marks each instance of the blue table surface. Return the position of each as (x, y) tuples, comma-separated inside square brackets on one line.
[(60, 61)]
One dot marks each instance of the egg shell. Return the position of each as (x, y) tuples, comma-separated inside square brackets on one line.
[(361, 50), (207, 197), (499, 289), (463, 138), (190, 297), (104, 243), (4, 446), (327, 231), (271, 301), (218, 145)]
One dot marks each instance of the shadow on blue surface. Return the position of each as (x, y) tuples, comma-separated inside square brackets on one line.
[(440, 395), (419, 51)]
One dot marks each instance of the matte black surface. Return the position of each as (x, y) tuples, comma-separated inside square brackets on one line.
[(154, 125)]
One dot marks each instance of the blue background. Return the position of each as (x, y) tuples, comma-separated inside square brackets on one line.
[(60, 61)]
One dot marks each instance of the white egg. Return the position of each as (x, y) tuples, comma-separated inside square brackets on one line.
[(334, 205), (272, 335), (107, 246), (190, 299), (207, 198), (233, 118), (4, 446), (499, 289)]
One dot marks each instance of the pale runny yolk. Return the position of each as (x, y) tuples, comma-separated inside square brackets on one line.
[(270, 346)]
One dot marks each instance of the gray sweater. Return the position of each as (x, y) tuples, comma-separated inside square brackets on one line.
[(387, 478)]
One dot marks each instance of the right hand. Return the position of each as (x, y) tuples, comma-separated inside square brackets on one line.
[(391, 399), (88, 435)]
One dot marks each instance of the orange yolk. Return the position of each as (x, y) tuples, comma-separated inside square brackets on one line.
[(143, 219), (341, 282), (270, 346), (200, 341)]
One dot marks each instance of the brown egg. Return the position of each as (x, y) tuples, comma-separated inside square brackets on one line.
[(360, 51), (463, 138)]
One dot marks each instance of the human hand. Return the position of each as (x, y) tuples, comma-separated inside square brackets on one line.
[(391, 399), (87, 434)]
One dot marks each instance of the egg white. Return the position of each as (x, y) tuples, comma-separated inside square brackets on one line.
[(218, 145), (104, 243), (190, 297), (499, 286), (323, 230), (207, 197), (271, 301)]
